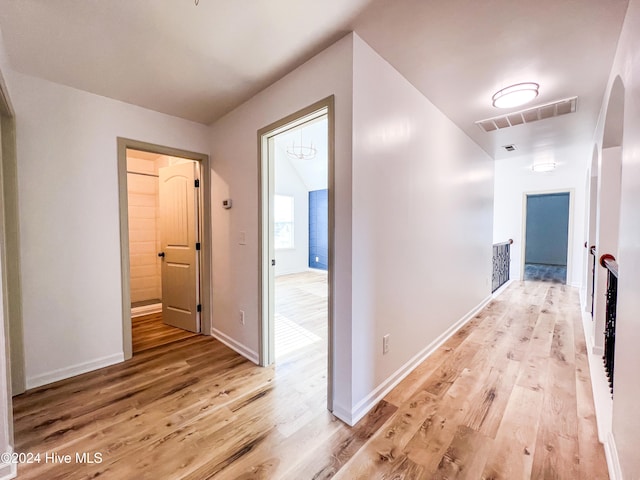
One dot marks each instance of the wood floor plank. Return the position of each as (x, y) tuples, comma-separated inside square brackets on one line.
[(385, 449), (148, 331), (466, 456), (329, 458), (511, 455), (557, 454)]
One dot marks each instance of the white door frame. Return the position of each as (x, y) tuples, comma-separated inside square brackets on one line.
[(266, 285), (525, 195), (205, 227)]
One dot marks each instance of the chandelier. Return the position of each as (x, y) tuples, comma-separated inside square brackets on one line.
[(301, 151)]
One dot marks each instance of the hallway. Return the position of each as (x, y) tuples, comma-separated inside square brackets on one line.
[(507, 397)]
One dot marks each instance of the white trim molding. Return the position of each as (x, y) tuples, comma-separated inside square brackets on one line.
[(601, 398), (73, 370), (343, 414), (146, 310), (8, 470), (238, 347), (613, 462), (371, 400), (502, 288)]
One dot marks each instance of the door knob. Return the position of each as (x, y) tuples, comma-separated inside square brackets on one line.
[(161, 254)]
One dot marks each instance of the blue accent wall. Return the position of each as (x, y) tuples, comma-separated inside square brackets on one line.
[(319, 229)]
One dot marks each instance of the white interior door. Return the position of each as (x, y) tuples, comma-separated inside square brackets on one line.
[(178, 237)]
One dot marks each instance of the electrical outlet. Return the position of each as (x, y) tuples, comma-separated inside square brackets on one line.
[(385, 344), (242, 317)]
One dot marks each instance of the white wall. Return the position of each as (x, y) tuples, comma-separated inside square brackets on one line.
[(421, 218), (626, 415), (7, 470), (288, 182), (514, 178), (68, 190), (422, 222), (235, 175)]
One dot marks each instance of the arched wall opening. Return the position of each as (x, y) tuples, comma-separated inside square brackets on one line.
[(608, 202)]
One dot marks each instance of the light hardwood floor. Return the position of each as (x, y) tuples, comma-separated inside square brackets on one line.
[(507, 397), (301, 315), (148, 331)]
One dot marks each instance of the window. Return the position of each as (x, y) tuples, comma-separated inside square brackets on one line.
[(283, 221)]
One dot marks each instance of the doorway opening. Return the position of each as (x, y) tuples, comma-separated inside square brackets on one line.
[(165, 245), (546, 252), (163, 206), (590, 246), (296, 170)]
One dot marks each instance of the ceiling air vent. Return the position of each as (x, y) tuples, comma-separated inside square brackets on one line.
[(509, 148), (554, 109)]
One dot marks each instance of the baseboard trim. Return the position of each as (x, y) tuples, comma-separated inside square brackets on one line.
[(371, 400), (583, 297), (601, 399), (236, 346), (599, 384), (613, 462), (8, 470), (502, 288), (73, 370), (146, 310), (343, 414)]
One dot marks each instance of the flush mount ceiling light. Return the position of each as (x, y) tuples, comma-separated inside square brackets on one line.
[(544, 167), (515, 95)]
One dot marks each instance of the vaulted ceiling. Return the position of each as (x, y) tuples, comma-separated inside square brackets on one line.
[(200, 61)]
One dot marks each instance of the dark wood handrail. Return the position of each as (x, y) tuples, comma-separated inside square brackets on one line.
[(508, 242), (608, 261)]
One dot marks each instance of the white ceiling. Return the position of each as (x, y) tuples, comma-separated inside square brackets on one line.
[(199, 62), (460, 52), (195, 62)]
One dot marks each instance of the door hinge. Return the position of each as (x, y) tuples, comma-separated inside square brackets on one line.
[(199, 308), (198, 246), (197, 182)]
